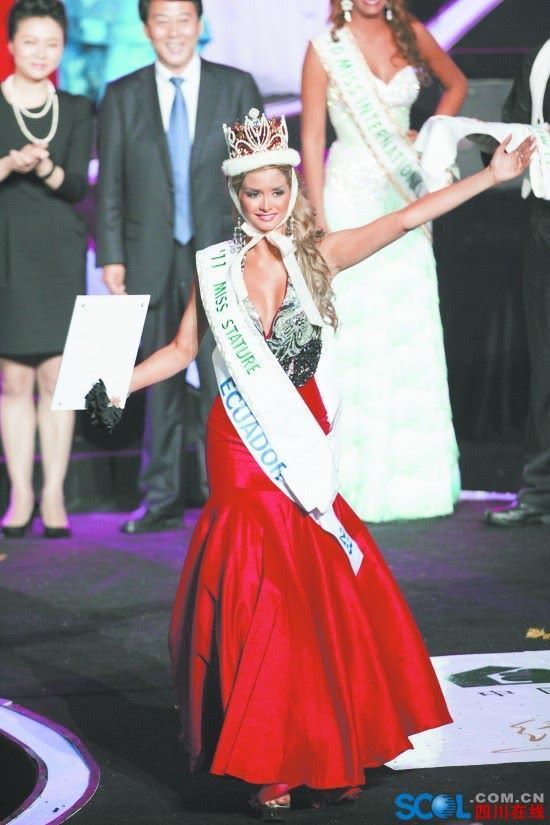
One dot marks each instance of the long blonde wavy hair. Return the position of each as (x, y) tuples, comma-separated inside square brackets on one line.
[(312, 264), (402, 31)]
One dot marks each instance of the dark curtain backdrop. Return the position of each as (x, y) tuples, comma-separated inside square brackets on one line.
[(479, 250)]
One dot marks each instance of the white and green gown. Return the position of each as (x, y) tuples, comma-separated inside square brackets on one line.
[(399, 453)]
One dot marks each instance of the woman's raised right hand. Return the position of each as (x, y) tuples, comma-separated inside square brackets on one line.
[(507, 165)]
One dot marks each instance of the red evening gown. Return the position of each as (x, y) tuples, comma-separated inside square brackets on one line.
[(288, 667)]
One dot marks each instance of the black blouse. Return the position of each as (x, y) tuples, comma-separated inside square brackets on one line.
[(70, 147), (42, 237)]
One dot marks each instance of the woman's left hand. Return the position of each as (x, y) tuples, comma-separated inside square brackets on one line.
[(104, 411), (27, 158), (45, 167), (508, 165)]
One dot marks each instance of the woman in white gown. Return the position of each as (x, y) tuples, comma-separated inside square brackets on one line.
[(399, 452)]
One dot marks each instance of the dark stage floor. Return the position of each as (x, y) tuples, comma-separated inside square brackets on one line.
[(83, 625)]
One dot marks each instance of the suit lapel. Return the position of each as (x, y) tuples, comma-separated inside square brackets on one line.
[(151, 109), (205, 112)]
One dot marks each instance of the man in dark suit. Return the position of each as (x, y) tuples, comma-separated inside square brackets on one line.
[(529, 101), (161, 197)]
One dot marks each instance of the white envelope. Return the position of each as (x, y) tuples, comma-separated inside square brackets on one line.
[(102, 342)]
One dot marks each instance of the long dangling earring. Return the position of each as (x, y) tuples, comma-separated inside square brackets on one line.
[(290, 224), (239, 237), (388, 11), (347, 8)]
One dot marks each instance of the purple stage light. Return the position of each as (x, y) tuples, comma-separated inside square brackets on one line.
[(457, 17)]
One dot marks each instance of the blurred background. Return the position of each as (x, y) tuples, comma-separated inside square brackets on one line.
[(106, 40), (478, 248)]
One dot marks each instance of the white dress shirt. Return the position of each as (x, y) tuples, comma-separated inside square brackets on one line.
[(189, 89)]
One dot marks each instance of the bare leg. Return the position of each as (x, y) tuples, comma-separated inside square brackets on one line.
[(56, 437), (18, 428)]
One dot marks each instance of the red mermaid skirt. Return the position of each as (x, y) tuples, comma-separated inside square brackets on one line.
[(288, 667)]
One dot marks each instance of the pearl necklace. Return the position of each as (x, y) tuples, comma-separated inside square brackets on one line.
[(52, 102)]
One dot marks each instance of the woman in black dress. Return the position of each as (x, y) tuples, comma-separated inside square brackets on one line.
[(45, 145)]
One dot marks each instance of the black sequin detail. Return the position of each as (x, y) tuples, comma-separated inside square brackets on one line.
[(294, 341), (102, 412)]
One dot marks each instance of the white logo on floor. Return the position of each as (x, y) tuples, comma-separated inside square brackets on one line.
[(500, 703)]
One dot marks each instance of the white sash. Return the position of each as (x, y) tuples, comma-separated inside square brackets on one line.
[(538, 80), (269, 415), (350, 74), (439, 138)]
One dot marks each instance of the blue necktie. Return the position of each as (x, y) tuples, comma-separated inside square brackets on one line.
[(180, 155)]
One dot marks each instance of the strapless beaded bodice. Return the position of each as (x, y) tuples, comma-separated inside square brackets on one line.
[(398, 95), (351, 165), (293, 339)]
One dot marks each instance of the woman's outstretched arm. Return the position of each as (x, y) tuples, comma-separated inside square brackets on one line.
[(314, 117), (178, 354), (350, 246)]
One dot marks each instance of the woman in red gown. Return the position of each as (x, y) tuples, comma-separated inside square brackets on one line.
[(290, 668)]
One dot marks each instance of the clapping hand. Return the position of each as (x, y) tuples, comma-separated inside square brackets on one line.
[(27, 158), (508, 165)]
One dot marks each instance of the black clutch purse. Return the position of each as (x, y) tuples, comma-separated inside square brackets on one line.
[(102, 412)]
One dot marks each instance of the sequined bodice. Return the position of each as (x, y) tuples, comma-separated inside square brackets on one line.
[(398, 95), (294, 340), (352, 167)]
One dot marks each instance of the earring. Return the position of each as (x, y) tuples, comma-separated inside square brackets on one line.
[(290, 224), (347, 8), (239, 238), (388, 12)]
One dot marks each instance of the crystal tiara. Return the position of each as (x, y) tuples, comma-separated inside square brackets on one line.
[(259, 141)]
